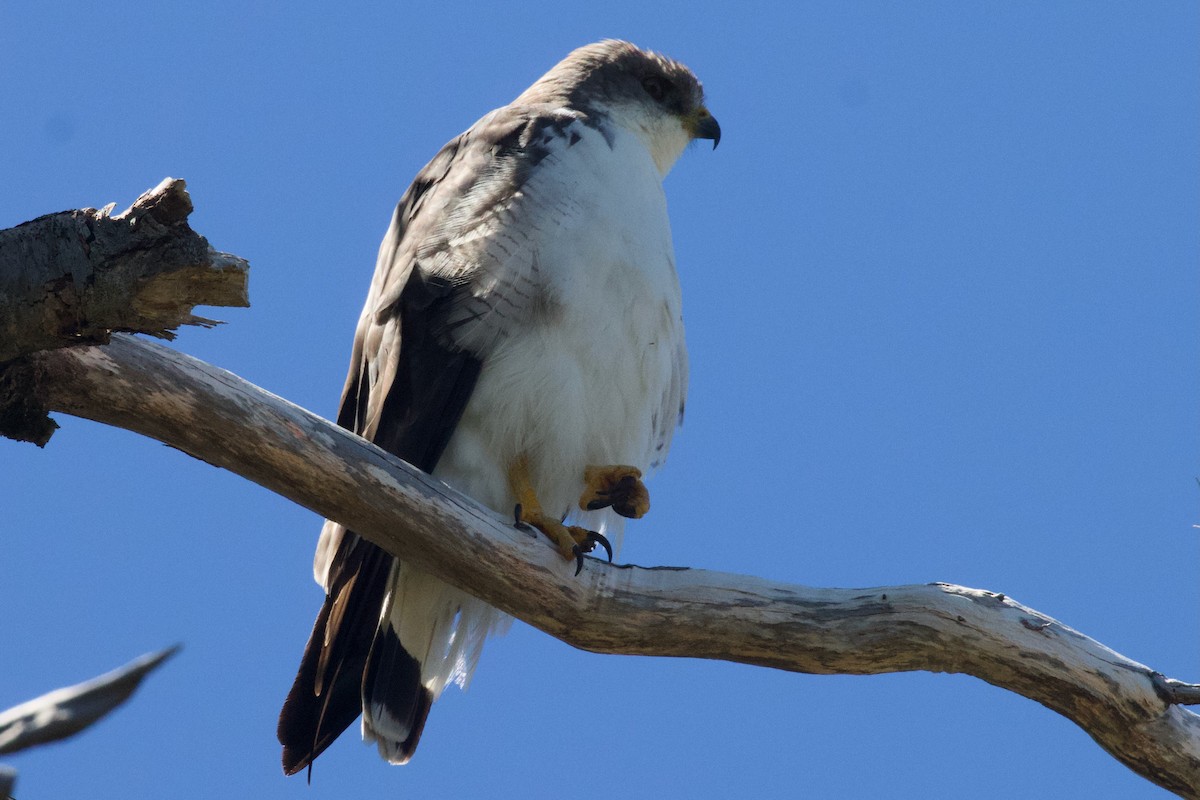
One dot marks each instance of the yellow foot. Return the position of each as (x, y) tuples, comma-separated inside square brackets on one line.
[(618, 486), (572, 541)]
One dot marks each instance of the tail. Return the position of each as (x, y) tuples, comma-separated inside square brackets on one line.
[(430, 635), (354, 660), (388, 640)]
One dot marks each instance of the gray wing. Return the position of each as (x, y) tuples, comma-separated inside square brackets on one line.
[(443, 288)]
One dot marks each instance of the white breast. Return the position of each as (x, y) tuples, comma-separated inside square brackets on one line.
[(597, 375)]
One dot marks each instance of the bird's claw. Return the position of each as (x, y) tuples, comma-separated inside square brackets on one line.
[(602, 540), (588, 545), (572, 541), (617, 486), (519, 523)]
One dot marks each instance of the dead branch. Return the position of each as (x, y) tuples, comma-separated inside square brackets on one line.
[(1130, 710), (65, 712)]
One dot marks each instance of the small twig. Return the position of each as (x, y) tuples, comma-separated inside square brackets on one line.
[(1180, 693)]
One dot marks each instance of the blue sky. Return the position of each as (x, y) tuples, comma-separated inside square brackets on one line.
[(940, 282)]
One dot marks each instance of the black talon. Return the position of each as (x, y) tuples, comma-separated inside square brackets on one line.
[(519, 523), (598, 538), (588, 545)]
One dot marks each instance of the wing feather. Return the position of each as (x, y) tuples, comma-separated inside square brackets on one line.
[(430, 316)]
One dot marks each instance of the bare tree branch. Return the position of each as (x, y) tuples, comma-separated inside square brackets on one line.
[(1130, 710), (77, 276), (65, 712)]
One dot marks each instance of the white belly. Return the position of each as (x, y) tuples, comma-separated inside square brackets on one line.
[(589, 379)]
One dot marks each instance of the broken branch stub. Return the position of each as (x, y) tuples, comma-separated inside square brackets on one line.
[(75, 277)]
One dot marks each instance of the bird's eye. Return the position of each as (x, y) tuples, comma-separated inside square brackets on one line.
[(656, 87)]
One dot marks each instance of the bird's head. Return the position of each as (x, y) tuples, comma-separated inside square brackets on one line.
[(655, 97)]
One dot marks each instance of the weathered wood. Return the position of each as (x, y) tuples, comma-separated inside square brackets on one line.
[(76, 276), (1130, 710)]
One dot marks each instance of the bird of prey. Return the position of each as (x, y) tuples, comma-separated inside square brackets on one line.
[(522, 341)]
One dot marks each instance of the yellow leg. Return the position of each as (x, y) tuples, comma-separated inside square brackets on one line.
[(618, 486), (571, 540)]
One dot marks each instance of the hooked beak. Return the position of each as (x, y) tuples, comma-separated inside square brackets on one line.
[(704, 126)]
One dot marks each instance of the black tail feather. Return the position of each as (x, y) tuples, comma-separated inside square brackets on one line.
[(415, 418), (310, 722), (397, 700), (335, 657)]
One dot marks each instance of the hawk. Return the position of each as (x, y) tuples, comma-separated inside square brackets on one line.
[(522, 341)]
